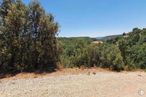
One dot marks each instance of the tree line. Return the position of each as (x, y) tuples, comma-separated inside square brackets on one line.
[(124, 52)]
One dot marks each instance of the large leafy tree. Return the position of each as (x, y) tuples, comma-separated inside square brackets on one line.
[(28, 37), (43, 32)]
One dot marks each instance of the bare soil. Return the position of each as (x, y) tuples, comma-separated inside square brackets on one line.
[(75, 83)]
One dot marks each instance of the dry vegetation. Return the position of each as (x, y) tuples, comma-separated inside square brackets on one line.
[(60, 72)]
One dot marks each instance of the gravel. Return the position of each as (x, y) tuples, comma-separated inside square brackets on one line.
[(101, 84)]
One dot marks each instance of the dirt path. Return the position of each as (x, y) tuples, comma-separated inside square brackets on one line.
[(101, 84)]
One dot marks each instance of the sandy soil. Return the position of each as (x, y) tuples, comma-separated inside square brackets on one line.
[(85, 84)]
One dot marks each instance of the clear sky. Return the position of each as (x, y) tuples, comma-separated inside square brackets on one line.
[(96, 18)]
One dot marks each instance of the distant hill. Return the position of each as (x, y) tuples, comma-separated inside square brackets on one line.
[(91, 39), (107, 37)]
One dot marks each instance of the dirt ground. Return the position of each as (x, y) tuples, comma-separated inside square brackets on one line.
[(75, 83)]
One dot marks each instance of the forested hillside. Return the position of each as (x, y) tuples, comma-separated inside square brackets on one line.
[(124, 52), (132, 46), (110, 37)]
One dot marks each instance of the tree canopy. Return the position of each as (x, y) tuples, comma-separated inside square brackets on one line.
[(27, 37)]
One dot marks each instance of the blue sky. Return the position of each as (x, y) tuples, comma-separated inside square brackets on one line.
[(96, 18)]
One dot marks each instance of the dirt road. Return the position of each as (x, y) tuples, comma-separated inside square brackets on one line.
[(101, 84)]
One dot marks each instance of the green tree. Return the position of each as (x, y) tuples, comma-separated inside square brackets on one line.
[(27, 37)]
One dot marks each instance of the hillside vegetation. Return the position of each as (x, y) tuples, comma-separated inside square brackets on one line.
[(124, 52)]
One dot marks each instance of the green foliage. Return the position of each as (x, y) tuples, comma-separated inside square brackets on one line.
[(27, 37), (74, 51), (132, 47), (125, 52), (78, 53), (111, 57)]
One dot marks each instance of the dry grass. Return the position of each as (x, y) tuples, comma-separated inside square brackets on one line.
[(60, 72)]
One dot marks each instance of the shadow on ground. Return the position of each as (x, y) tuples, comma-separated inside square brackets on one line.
[(11, 74)]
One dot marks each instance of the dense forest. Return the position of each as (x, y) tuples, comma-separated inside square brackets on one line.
[(29, 42)]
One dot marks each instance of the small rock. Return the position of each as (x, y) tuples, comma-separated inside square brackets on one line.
[(140, 75), (13, 83), (94, 73), (88, 73)]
